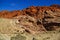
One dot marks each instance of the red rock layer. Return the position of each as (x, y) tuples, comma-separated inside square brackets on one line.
[(32, 11), (45, 15)]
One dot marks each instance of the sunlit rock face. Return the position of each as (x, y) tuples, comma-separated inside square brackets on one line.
[(32, 23), (36, 18)]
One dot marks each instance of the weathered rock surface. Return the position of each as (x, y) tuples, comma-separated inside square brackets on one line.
[(32, 20), (45, 16), (13, 29)]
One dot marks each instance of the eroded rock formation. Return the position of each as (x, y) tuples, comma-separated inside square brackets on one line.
[(43, 18)]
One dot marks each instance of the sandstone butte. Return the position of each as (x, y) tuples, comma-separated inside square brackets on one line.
[(45, 15)]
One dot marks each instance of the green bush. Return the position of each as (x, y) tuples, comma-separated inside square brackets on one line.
[(18, 37)]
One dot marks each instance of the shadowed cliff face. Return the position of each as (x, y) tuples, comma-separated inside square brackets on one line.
[(47, 16)]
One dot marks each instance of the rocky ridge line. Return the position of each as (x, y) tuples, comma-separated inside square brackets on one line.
[(45, 18)]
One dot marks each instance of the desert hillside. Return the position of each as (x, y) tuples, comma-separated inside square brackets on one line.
[(47, 17), (32, 23)]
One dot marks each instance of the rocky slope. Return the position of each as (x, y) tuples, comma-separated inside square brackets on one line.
[(32, 20), (46, 16), (9, 30)]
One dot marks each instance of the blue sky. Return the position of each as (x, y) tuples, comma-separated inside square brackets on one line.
[(21, 4)]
